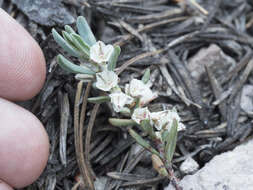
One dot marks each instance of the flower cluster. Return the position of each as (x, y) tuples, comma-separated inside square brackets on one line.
[(100, 54), (161, 120), (101, 60), (98, 64), (135, 92)]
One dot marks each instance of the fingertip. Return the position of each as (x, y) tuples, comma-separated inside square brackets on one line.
[(22, 63), (4, 186), (24, 145)]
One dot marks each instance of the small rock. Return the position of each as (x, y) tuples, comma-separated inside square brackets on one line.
[(247, 98), (229, 171), (189, 166), (100, 183), (46, 12), (214, 57)]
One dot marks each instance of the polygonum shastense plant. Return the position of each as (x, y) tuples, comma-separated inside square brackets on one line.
[(132, 102)]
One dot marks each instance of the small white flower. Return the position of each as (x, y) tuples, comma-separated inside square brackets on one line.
[(158, 135), (180, 127), (100, 53), (159, 119), (148, 98), (127, 91), (119, 100), (138, 89), (140, 114), (164, 119), (106, 80), (167, 127), (174, 115)]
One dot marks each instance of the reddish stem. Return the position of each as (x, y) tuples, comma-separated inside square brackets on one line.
[(168, 167)]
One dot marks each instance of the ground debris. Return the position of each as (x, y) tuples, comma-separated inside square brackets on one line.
[(46, 12), (247, 98), (200, 57)]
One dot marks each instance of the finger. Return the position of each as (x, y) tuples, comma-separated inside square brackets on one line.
[(4, 186), (22, 64), (24, 145)]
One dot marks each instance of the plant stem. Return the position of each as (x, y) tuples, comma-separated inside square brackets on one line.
[(78, 132), (167, 166), (173, 178)]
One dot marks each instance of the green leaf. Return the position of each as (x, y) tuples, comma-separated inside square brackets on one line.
[(99, 99), (85, 31), (165, 134), (81, 45), (121, 122), (158, 165), (125, 111), (84, 53), (69, 29), (171, 142), (69, 40), (147, 127), (71, 67), (84, 77), (113, 58), (137, 103), (142, 142), (145, 78), (67, 47)]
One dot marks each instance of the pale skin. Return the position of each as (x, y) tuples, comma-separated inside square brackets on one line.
[(24, 144)]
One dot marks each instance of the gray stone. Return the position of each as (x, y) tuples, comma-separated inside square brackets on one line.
[(229, 171), (46, 12), (247, 98), (189, 166), (100, 183), (213, 57)]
